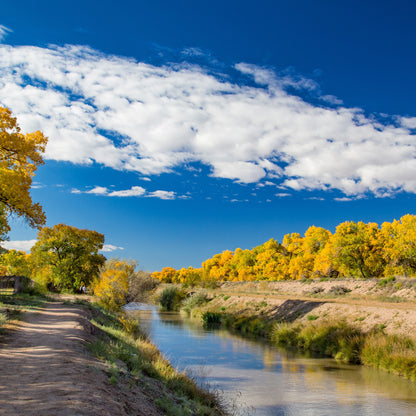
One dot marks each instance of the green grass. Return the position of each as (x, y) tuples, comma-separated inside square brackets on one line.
[(143, 359)]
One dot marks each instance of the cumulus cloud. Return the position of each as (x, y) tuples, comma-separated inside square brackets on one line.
[(133, 191), (20, 245), (109, 247), (134, 116)]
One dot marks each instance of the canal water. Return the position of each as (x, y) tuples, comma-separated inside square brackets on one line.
[(259, 379)]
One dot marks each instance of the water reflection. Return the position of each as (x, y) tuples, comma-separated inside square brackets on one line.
[(275, 382)]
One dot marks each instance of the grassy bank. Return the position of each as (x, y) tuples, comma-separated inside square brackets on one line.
[(306, 332), (130, 356)]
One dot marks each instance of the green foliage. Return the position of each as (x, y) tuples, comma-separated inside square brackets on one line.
[(337, 340), (211, 319), (3, 319), (17, 263), (384, 282), (199, 298), (171, 298), (67, 257)]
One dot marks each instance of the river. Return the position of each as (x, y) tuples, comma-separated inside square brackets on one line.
[(259, 379)]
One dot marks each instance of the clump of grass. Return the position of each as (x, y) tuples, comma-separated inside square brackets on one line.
[(311, 317), (197, 299), (338, 290), (211, 319), (386, 281), (3, 319), (390, 352), (337, 340)]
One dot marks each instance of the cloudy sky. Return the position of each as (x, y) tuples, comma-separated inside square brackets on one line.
[(181, 129)]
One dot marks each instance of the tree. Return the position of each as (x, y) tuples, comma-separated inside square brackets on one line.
[(358, 249), (400, 245), (16, 263), (20, 155), (112, 286), (67, 257)]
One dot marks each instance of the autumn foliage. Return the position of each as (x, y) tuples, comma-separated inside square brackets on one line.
[(20, 155), (356, 249)]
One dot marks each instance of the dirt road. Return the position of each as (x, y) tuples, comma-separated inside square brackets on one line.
[(46, 370)]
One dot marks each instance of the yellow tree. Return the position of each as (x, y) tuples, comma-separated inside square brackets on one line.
[(400, 245), (271, 261), (16, 263), (302, 265), (20, 155), (166, 275), (111, 288), (358, 249)]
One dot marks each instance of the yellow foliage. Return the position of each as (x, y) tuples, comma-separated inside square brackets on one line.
[(20, 155), (112, 287)]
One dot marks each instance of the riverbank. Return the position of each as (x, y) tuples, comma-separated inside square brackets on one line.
[(68, 357), (369, 322)]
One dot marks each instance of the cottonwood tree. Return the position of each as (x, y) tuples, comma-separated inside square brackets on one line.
[(20, 155), (67, 257), (112, 285)]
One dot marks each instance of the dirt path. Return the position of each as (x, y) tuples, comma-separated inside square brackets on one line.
[(46, 370)]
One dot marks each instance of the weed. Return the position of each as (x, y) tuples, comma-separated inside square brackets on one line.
[(311, 317)]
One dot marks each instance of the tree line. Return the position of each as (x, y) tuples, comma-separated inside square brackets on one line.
[(356, 249)]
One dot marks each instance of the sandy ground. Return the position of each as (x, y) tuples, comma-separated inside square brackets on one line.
[(46, 370), (366, 304)]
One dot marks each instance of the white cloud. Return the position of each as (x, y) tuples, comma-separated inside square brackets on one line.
[(109, 247), (166, 117), (134, 191), (20, 245), (162, 194), (4, 31)]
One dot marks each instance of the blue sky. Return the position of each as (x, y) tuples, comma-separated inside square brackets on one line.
[(181, 129)]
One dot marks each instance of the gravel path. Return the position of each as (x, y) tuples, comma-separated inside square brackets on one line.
[(46, 370)]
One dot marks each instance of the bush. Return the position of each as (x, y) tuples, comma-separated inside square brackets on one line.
[(171, 298), (196, 299), (211, 319)]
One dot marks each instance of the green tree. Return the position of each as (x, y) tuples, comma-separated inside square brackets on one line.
[(358, 249), (67, 257), (16, 263), (20, 155)]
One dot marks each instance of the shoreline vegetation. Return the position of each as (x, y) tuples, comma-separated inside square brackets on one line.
[(131, 360), (328, 318)]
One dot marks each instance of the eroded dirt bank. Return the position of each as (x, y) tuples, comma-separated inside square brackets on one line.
[(390, 305), (46, 370)]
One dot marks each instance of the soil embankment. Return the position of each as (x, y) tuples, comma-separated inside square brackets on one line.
[(46, 370), (390, 305)]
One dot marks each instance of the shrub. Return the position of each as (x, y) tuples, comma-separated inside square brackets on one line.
[(196, 299), (211, 319), (171, 298)]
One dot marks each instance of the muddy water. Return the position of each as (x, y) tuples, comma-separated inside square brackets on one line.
[(259, 379)]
